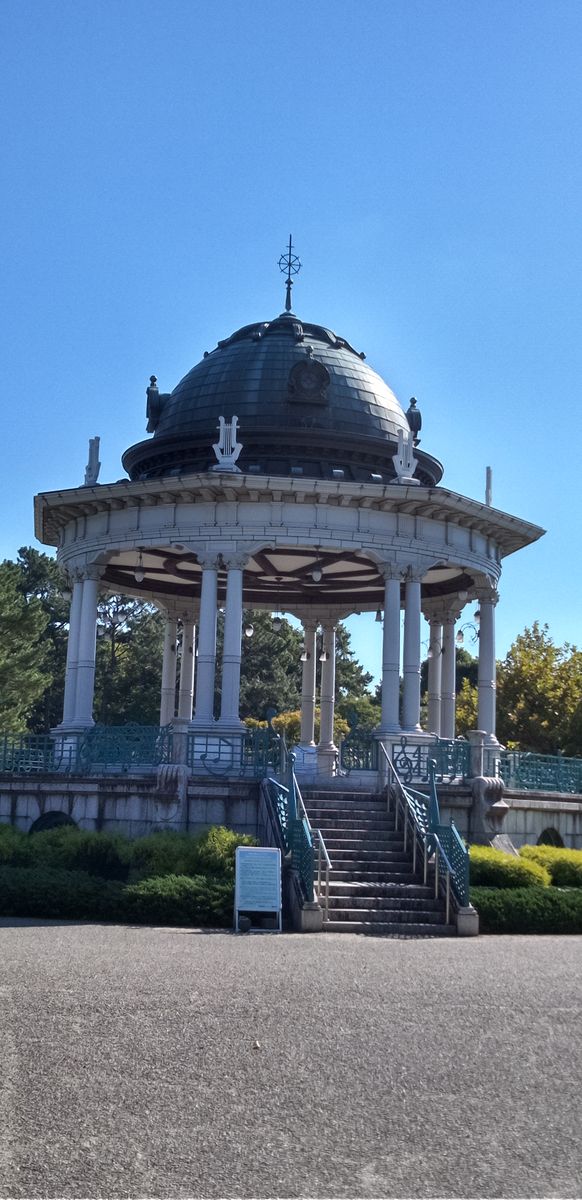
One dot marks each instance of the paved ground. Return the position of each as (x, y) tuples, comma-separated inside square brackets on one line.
[(172, 1063)]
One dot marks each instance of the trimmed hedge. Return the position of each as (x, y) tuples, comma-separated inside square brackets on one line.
[(493, 868), (66, 848), (179, 900), (44, 892), (208, 853), (77, 895), (564, 866), (528, 910)]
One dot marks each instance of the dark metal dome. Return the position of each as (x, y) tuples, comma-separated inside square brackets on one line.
[(306, 403)]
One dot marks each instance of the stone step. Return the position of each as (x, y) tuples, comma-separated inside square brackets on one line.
[(365, 853), (390, 928), (375, 916), (353, 891), (357, 821), (347, 806), (375, 903), (356, 874), (366, 843), (358, 833)]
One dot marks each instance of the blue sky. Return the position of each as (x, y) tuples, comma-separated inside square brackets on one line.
[(426, 157)]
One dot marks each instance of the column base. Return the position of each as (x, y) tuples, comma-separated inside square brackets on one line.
[(72, 727), (306, 761), (229, 725), (327, 760)]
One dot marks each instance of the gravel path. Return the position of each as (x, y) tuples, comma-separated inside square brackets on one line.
[(140, 1062)]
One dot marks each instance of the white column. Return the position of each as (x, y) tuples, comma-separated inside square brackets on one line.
[(231, 657), (186, 693), (327, 706), (411, 702), (168, 697), (309, 665), (448, 677), (86, 662), (487, 668), (435, 662), (72, 652), (206, 667), (390, 720)]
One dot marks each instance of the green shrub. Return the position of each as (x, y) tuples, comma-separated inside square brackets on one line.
[(15, 848), (527, 910), (179, 900), (493, 868), (45, 892), (564, 866), (208, 853), (69, 849)]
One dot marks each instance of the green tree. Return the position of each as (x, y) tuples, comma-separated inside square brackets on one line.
[(466, 708), (128, 669), (23, 652), (271, 667), (41, 578), (539, 689)]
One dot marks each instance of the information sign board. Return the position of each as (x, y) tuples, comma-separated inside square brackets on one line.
[(257, 881)]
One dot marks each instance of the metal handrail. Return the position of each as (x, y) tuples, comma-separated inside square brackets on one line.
[(321, 849), (424, 837)]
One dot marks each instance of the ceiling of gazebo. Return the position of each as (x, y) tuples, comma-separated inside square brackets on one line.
[(277, 578)]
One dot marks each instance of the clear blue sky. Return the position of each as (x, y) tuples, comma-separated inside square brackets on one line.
[(426, 157)]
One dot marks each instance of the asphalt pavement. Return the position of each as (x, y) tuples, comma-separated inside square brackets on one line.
[(140, 1062)]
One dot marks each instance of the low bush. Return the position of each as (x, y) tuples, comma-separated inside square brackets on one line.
[(564, 866), (179, 900), (527, 910), (208, 853), (493, 868), (70, 849), (45, 892), (15, 847)]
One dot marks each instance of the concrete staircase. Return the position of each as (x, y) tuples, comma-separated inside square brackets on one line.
[(372, 887)]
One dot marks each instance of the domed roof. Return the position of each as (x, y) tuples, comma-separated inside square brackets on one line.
[(306, 403)]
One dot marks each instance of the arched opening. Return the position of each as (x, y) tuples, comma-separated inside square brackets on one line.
[(51, 820), (550, 837)]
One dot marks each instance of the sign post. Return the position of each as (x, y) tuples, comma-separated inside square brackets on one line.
[(257, 882)]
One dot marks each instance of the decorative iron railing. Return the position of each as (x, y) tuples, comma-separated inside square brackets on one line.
[(452, 759), (33, 754), (359, 751), (252, 754), (120, 749), (419, 816), (539, 772)]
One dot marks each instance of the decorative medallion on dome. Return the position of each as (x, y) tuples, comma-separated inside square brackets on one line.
[(308, 382)]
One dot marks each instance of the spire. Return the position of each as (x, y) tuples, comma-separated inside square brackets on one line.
[(289, 264)]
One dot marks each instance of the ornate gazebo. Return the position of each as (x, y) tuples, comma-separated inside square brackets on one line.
[(283, 474)]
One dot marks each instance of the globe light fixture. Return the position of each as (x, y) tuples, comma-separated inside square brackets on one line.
[(249, 630), (139, 573)]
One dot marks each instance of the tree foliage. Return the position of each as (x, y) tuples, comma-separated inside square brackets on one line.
[(41, 579), (539, 688), (24, 676)]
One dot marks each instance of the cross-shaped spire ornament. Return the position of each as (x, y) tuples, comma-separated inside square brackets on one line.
[(289, 264)]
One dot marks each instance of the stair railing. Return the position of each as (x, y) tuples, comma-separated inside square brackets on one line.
[(421, 818), (323, 860)]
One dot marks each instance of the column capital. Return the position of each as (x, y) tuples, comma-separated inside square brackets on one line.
[(390, 570), (235, 562), (486, 594), (208, 561), (309, 624), (329, 624), (91, 571), (414, 574), (434, 616)]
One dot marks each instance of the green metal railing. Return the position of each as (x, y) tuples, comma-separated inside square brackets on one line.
[(252, 754), (359, 751), (120, 749), (421, 821), (33, 754), (540, 772)]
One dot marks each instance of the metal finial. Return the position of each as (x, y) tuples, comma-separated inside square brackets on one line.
[(290, 264)]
